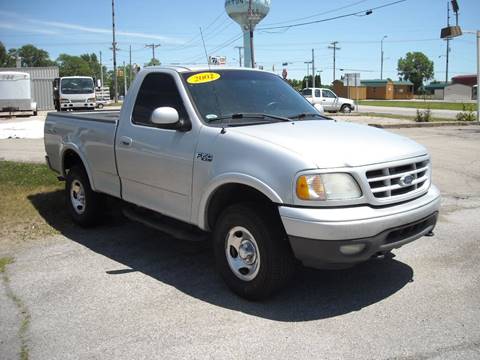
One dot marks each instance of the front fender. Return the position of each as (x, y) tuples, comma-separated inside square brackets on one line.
[(232, 178)]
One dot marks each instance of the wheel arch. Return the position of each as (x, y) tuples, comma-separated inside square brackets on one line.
[(72, 156), (229, 189)]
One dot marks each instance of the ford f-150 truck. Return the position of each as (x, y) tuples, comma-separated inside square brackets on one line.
[(240, 155)]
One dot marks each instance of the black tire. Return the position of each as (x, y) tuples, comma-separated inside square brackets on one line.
[(276, 262), (90, 212), (346, 109)]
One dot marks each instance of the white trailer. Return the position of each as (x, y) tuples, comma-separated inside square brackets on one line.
[(15, 92)]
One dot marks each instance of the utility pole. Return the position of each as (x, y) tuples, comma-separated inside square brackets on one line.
[(381, 56), (153, 46), (130, 66), (308, 70), (239, 55), (448, 44), (114, 49), (124, 79), (313, 68), (101, 69), (334, 47)]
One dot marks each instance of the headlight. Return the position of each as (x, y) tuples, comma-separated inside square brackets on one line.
[(64, 101), (335, 186), (90, 99)]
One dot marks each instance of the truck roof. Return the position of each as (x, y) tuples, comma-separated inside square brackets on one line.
[(189, 68)]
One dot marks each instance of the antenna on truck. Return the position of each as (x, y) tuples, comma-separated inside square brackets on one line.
[(204, 48)]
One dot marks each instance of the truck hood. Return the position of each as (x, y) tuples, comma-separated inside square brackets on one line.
[(329, 143)]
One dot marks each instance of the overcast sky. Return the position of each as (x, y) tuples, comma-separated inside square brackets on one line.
[(414, 25)]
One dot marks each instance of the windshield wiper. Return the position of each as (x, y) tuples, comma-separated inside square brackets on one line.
[(249, 116), (304, 115)]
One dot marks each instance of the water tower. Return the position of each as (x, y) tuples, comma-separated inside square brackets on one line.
[(247, 13)]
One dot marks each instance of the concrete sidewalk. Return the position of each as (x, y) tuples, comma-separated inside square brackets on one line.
[(447, 114)]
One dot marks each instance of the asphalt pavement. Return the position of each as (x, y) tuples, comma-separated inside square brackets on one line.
[(123, 291)]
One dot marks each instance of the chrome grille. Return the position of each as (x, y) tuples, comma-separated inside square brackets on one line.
[(77, 101), (388, 181)]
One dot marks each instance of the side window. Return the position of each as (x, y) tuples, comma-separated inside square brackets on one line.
[(307, 92), (317, 93), (328, 94), (157, 90)]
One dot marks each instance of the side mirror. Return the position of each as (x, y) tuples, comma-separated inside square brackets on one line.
[(164, 116)]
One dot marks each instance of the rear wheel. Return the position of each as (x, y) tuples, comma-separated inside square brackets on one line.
[(251, 251), (85, 205)]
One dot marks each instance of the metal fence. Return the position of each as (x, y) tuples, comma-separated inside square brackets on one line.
[(41, 77)]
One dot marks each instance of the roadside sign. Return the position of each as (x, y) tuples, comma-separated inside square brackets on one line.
[(351, 79), (217, 60)]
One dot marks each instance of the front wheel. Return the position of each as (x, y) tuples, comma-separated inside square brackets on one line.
[(85, 205), (252, 252), (347, 109)]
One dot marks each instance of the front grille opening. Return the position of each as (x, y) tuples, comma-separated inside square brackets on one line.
[(401, 169), (403, 190), (374, 173), (388, 179), (407, 231)]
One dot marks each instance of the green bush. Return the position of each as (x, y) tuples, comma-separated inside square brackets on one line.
[(423, 115), (467, 114)]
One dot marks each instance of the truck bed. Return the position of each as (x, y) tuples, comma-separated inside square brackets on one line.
[(108, 116), (94, 133)]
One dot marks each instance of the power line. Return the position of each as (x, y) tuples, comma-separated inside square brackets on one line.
[(318, 14), (364, 12)]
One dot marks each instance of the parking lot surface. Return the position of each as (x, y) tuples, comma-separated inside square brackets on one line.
[(123, 291)]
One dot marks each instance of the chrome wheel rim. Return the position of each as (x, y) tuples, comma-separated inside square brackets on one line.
[(77, 197), (242, 253)]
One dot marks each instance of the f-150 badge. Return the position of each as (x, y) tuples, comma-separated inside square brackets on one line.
[(205, 156)]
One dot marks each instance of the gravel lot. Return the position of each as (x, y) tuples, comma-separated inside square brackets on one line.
[(122, 291)]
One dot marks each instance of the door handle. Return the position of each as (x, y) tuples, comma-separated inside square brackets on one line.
[(125, 140)]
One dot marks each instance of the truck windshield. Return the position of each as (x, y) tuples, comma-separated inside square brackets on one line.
[(223, 94), (77, 86)]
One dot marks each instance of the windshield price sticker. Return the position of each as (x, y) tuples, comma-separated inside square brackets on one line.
[(204, 77)]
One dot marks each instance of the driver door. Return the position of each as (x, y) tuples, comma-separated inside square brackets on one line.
[(155, 163), (329, 100)]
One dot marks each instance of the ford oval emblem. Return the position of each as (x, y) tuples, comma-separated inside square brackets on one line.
[(406, 180)]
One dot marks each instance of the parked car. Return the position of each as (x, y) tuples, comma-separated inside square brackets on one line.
[(239, 155), (328, 99)]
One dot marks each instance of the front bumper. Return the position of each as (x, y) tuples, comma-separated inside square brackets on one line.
[(317, 235), (79, 105)]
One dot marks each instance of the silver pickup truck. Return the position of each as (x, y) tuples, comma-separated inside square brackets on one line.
[(240, 155)]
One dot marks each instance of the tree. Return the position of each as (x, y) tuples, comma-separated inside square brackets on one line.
[(73, 66), (415, 67), (6, 60), (93, 64), (33, 56), (153, 62)]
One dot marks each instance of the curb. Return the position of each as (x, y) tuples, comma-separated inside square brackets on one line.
[(425, 124)]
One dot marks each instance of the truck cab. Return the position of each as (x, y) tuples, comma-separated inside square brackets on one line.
[(328, 100), (74, 93)]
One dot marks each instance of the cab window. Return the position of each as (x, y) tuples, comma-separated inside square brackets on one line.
[(157, 90)]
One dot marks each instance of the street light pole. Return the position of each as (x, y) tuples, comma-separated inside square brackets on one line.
[(308, 70), (478, 75), (381, 57)]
